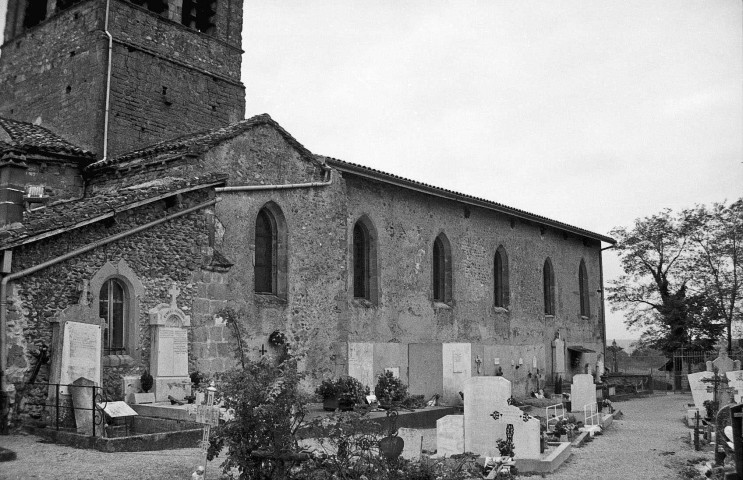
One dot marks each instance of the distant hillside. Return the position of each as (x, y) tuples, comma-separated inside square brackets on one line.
[(625, 343)]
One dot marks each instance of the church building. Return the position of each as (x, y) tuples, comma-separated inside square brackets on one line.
[(137, 200)]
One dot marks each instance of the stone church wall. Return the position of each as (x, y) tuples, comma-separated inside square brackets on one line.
[(170, 252)]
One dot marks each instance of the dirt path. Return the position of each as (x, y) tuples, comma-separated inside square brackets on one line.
[(650, 441)]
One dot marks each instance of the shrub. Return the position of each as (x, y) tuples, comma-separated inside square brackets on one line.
[(390, 388), (344, 388)]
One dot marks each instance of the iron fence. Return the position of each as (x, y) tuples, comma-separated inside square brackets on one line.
[(59, 409)]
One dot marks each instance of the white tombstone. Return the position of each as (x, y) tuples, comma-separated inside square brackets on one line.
[(526, 434), (482, 396), (457, 363), (413, 445), (81, 353), (735, 381), (361, 363), (169, 362), (450, 435), (583, 392), (699, 388)]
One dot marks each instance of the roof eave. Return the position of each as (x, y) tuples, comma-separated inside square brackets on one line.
[(412, 185)]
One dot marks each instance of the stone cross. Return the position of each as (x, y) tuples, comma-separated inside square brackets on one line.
[(174, 292)]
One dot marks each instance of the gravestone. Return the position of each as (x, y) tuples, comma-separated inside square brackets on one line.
[(559, 357), (457, 361), (450, 435), (483, 395), (83, 401), (735, 381), (426, 369), (699, 388), (413, 439), (583, 392), (520, 428), (361, 363), (169, 361), (723, 363)]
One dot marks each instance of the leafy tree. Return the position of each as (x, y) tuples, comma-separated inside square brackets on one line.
[(656, 255), (717, 235)]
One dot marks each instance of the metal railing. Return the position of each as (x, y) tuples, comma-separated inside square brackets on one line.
[(591, 414), (554, 417), (59, 407)]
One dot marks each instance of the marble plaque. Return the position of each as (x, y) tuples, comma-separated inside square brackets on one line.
[(172, 352), (450, 435), (583, 391), (117, 409), (483, 395), (457, 361), (699, 389), (361, 363), (81, 353), (525, 433)]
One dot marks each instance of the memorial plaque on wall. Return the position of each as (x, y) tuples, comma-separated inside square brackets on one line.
[(172, 352), (81, 353)]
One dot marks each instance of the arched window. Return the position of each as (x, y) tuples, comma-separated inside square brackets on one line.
[(361, 267), (442, 278), (585, 306), (113, 309), (548, 276), (500, 278), (270, 251), (265, 252)]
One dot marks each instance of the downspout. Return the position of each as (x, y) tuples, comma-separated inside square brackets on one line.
[(108, 81), (14, 276), (248, 188)]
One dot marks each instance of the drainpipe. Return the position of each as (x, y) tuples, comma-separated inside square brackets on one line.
[(108, 81), (14, 276), (247, 188)]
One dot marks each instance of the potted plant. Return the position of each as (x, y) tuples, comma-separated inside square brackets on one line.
[(390, 389), (146, 381)]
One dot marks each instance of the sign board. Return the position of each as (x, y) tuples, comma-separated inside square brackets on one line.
[(117, 409)]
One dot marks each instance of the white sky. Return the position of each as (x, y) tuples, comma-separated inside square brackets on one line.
[(589, 112)]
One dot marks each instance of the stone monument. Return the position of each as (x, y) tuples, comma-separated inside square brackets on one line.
[(482, 396), (583, 392), (169, 362), (723, 363), (559, 358)]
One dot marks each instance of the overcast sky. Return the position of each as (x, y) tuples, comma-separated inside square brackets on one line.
[(589, 112)]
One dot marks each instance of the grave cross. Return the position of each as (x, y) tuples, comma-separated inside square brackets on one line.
[(716, 388), (174, 292), (207, 415), (263, 350)]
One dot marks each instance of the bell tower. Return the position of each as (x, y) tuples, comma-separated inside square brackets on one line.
[(124, 73)]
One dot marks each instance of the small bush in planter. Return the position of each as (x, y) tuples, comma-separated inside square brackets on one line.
[(390, 389), (146, 381), (344, 392)]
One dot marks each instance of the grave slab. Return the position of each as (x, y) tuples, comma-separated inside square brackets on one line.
[(426, 369), (82, 400), (546, 463), (583, 391), (699, 388), (457, 360), (361, 363), (413, 439), (450, 435)]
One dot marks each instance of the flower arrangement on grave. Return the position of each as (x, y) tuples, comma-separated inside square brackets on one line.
[(277, 338), (505, 447), (146, 381), (606, 403), (343, 392), (711, 408), (389, 388)]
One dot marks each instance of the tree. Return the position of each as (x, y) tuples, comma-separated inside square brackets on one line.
[(656, 255), (717, 235)]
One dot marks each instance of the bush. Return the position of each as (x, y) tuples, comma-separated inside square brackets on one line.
[(344, 388), (389, 388)]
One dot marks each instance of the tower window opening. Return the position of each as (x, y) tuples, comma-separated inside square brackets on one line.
[(199, 14)]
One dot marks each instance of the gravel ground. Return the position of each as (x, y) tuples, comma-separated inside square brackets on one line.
[(650, 441)]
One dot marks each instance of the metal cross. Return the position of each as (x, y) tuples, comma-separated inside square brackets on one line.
[(263, 350)]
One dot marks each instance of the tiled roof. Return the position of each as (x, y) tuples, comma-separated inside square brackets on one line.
[(66, 215), (460, 197), (197, 143), (31, 138)]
